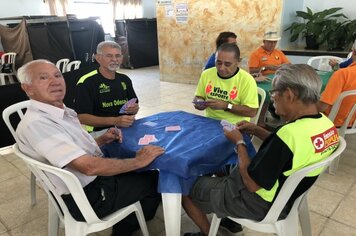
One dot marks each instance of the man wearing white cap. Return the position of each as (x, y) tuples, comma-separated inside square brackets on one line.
[(266, 59)]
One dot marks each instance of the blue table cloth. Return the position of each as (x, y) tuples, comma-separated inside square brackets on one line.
[(200, 147)]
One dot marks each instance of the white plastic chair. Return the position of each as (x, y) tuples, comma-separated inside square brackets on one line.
[(262, 94), (62, 64), (56, 204), (344, 129), (289, 225), (8, 58), (322, 62), (6, 114), (73, 65)]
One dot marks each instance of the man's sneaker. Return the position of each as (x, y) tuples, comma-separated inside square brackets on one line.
[(230, 225), (194, 234)]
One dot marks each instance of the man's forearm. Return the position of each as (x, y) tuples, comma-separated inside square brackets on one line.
[(96, 121)]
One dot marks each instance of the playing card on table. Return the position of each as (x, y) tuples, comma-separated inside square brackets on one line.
[(143, 141), (150, 137), (173, 128), (227, 125), (150, 123)]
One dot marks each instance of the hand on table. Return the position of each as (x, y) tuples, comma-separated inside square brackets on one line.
[(132, 109), (149, 153), (125, 120), (233, 135), (112, 134)]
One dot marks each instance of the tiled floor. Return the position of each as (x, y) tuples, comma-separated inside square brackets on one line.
[(332, 201)]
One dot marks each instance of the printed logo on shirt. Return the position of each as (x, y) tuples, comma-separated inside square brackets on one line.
[(233, 93), (217, 92), (123, 84), (325, 140), (103, 88)]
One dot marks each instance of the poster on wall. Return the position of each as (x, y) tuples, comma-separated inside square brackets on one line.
[(169, 10), (182, 13), (164, 2)]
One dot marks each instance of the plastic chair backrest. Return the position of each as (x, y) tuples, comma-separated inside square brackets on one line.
[(92, 222), (262, 99), (271, 224), (322, 62), (62, 64), (15, 108), (73, 65), (9, 58), (335, 109)]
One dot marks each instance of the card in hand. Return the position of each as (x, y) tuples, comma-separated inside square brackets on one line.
[(227, 125), (127, 104)]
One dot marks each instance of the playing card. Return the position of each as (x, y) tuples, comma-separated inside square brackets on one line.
[(173, 128), (127, 104), (143, 141), (150, 138), (150, 123), (227, 125)]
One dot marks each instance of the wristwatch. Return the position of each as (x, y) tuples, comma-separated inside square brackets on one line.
[(239, 142), (229, 107)]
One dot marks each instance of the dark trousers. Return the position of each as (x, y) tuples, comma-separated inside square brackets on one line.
[(107, 194)]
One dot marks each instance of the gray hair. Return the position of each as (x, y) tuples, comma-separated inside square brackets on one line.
[(301, 79), (354, 46), (24, 74), (111, 44)]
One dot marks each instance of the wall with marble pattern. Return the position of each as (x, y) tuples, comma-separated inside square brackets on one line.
[(185, 47)]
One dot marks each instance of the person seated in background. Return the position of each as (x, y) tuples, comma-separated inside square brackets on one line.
[(335, 64), (267, 59), (223, 37), (51, 133), (226, 92), (102, 92), (342, 80), (250, 189)]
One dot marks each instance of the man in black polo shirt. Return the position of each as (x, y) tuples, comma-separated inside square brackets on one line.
[(103, 92)]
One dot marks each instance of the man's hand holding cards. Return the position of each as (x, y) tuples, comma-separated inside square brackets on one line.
[(199, 103), (131, 107)]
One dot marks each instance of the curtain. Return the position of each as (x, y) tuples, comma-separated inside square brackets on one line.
[(57, 7), (126, 9)]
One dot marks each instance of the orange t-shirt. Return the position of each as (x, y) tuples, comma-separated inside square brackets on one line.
[(261, 57), (342, 80)]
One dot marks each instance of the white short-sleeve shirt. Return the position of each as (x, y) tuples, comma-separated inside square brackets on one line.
[(55, 136)]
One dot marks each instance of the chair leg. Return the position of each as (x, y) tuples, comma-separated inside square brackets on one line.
[(304, 217), (33, 189), (214, 225), (2, 79), (52, 220), (334, 165), (141, 219)]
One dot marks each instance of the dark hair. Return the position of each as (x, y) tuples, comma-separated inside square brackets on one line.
[(223, 38), (230, 47)]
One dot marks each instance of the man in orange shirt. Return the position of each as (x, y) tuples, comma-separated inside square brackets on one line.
[(342, 80), (266, 59)]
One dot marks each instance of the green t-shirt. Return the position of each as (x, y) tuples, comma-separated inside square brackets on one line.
[(240, 89)]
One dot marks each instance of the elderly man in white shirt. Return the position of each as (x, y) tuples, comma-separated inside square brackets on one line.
[(51, 133)]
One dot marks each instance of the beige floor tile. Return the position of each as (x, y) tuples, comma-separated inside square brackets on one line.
[(317, 223), (353, 191), (14, 188), (36, 227), (18, 211), (346, 211), (2, 228), (155, 226), (323, 201), (334, 228), (188, 225), (7, 170), (5, 234), (341, 182)]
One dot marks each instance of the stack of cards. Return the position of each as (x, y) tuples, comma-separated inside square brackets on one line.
[(150, 123), (147, 139), (126, 105), (227, 125), (173, 128)]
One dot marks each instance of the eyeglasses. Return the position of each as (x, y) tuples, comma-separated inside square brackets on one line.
[(112, 56)]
